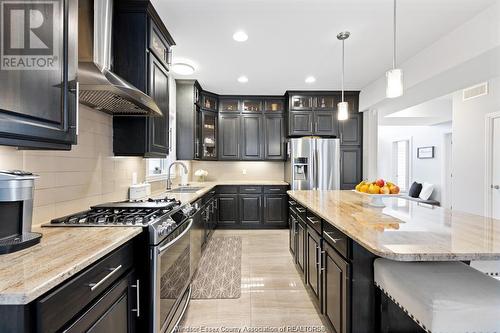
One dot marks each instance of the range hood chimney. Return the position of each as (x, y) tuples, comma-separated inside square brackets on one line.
[(100, 88)]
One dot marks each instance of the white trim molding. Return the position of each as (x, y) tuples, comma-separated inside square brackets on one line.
[(488, 171)]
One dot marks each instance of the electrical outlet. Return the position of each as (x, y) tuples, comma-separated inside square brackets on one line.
[(244, 171)]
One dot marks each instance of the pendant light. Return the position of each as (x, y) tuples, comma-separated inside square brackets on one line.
[(394, 76), (343, 107)]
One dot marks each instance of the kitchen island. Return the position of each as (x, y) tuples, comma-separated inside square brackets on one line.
[(336, 235)]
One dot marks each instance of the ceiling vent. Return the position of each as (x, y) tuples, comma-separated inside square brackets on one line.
[(475, 91)]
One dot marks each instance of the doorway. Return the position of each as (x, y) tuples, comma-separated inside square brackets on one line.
[(492, 183)]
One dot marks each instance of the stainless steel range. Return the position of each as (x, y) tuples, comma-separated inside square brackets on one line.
[(169, 227)]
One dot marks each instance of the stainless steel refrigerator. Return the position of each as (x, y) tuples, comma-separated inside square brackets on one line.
[(313, 164)]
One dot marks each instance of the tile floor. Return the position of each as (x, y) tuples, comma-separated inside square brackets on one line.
[(272, 293)]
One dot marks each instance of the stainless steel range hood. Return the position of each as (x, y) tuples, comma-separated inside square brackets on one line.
[(100, 88)]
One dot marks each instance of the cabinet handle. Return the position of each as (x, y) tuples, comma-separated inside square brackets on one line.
[(76, 91), (301, 210), (94, 286), (313, 220), (291, 203), (138, 296), (334, 240), (275, 189)]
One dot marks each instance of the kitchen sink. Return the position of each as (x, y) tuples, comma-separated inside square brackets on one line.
[(184, 189)]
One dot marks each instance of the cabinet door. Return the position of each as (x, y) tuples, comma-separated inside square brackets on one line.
[(275, 209), (335, 293), (208, 102), (208, 135), (274, 140), (350, 167), (299, 102), (250, 209), (300, 123), (38, 107), (228, 209), (251, 137), (313, 261), (229, 137), (115, 311), (351, 130), (158, 126), (301, 251), (325, 123)]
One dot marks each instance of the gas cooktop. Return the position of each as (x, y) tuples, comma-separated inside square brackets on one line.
[(123, 213)]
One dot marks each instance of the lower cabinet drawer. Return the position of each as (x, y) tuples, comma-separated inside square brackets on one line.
[(59, 306), (278, 189), (336, 239), (251, 189)]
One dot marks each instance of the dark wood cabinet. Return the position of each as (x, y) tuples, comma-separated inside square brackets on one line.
[(209, 101), (229, 136), (208, 135), (292, 233), (188, 120), (39, 108), (350, 167), (335, 290), (112, 312), (228, 209), (251, 137), (313, 250), (274, 139), (158, 143), (351, 130), (250, 207), (325, 123), (300, 123), (144, 63), (275, 209), (101, 298)]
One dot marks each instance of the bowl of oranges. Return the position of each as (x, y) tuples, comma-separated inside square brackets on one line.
[(377, 190)]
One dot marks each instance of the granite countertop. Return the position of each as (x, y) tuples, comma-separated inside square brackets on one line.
[(27, 274), (208, 186), (406, 230)]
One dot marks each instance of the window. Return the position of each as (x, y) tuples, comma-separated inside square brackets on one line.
[(401, 169)]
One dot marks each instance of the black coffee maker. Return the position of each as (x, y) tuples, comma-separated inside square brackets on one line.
[(16, 211)]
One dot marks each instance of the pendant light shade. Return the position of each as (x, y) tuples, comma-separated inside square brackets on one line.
[(343, 111), (394, 83), (343, 107), (394, 76)]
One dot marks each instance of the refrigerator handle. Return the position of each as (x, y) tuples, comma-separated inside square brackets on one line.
[(316, 167)]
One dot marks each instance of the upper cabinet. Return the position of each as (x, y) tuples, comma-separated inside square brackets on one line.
[(144, 62), (39, 104), (197, 127), (315, 113), (251, 128), (208, 101)]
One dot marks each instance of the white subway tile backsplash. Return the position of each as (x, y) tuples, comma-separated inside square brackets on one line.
[(71, 181)]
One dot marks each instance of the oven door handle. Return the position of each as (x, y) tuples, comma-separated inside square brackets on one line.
[(166, 246)]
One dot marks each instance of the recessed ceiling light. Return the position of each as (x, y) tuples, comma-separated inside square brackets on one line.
[(243, 79), (182, 68), (240, 36), (310, 79)]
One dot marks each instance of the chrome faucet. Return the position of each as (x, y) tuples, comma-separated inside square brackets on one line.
[(169, 181)]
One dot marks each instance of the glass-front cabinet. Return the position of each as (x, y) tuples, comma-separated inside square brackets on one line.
[(208, 135), (208, 102), (251, 105), (274, 105), (325, 103), (301, 102), (229, 105)]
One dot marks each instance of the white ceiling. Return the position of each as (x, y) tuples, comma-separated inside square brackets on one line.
[(292, 39)]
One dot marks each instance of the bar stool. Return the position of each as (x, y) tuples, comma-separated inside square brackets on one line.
[(442, 296)]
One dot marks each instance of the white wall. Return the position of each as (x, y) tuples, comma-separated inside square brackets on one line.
[(465, 56), (468, 148), (428, 170)]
